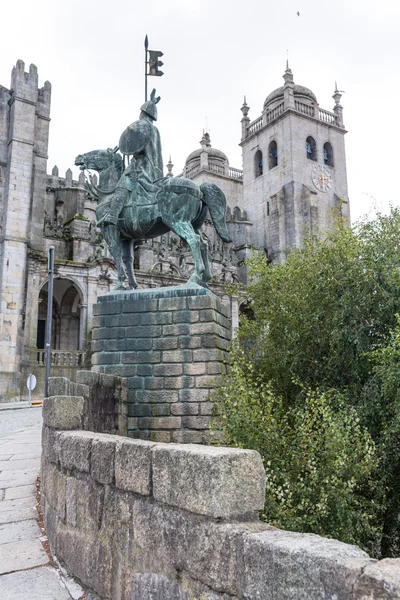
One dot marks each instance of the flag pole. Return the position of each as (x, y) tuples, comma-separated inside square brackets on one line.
[(146, 45)]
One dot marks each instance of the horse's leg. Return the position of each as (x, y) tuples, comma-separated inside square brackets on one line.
[(127, 256), (204, 255), (185, 231), (113, 239)]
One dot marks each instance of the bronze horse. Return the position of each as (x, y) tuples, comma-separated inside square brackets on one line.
[(180, 206)]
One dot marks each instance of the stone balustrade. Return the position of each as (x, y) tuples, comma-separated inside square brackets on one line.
[(306, 109), (137, 520), (62, 358)]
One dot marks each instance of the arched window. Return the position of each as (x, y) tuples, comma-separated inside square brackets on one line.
[(273, 155), (328, 154), (311, 148), (258, 163)]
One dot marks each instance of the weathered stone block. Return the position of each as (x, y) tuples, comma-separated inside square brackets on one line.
[(189, 341), (157, 396), (156, 318), (75, 450), (133, 466), (160, 436), (177, 356), (140, 357), (172, 303), (51, 444), (218, 482), (167, 370), (87, 377), (299, 566), (59, 386), (196, 422), (63, 412), (161, 410), (143, 370), (194, 369), (165, 344), (103, 458), (379, 580), (184, 408), (194, 395), (185, 381), (176, 329), (143, 331), (139, 306), (140, 410), (183, 436), (165, 423), (154, 383)]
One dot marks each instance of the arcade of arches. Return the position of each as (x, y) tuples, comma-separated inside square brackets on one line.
[(68, 325)]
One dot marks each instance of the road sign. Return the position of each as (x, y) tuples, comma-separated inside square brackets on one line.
[(30, 384)]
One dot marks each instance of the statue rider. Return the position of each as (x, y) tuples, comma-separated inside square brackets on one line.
[(143, 177)]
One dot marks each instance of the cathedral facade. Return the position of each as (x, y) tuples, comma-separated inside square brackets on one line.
[(292, 182)]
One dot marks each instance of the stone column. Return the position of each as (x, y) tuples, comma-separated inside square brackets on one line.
[(171, 345)]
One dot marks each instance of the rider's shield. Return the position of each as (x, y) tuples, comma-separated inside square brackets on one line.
[(136, 137)]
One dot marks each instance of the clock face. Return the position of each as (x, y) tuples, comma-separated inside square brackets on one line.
[(321, 178)]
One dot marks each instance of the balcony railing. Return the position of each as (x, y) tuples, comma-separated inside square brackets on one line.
[(305, 109), (62, 358)]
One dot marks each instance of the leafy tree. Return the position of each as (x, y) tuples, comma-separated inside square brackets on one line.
[(323, 332)]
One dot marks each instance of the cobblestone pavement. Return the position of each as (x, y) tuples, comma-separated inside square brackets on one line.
[(25, 568)]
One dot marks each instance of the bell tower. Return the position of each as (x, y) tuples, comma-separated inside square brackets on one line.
[(294, 168)]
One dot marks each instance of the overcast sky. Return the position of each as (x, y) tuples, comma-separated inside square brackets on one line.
[(215, 51)]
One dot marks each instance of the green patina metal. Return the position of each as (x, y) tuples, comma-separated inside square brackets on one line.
[(137, 202)]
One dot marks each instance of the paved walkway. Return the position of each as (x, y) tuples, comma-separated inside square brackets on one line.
[(26, 572)]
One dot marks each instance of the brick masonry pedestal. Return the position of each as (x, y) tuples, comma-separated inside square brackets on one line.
[(171, 345)]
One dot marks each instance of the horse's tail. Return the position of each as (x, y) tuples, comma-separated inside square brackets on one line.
[(216, 202)]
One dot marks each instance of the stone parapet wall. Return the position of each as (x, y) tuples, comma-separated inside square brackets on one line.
[(137, 520), (171, 346)]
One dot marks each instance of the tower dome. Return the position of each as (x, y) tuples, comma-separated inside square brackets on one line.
[(214, 156), (300, 92)]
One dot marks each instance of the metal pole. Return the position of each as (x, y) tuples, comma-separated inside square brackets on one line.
[(29, 390), (50, 271), (146, 45)]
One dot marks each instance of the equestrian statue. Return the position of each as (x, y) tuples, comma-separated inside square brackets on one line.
[(136, 202)]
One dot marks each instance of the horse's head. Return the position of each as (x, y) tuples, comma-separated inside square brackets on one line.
[(100, 160)]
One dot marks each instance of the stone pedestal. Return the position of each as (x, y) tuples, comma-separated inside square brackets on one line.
[(170, 344)]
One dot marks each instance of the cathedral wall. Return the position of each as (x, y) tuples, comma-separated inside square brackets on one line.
[(232, 188)]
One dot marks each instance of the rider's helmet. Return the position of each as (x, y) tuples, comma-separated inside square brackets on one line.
[(150, 107)]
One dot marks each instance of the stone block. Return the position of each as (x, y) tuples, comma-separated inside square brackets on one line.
[(103, 458), (176, 383), (107, 308), (169, 343), (59, 386), (140, 410), (206, 408), (167, 370), (176, 329), (181, 316), (199, 302), (194, 395), (141, 357), (84, 503), (75, 450), (196, 422), (132, 423), (139, 306), (208, 381), (176, 356), (154, 383), (299, 565), (165, 423), (106, 358), (160, 436), (172, 304), (188, 437), (217, 482), (184, 408), (136, 383), (208, 355), (51, 444), (143, 331), (379, 580), (63, 412), (54, 485), (163, 396), (87, 378), (133, 466), (156, 318), (194, 369), (161, 410), (190, 341), (143, 370)]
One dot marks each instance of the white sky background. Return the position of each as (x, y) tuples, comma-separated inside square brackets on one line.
[(215, 51)]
